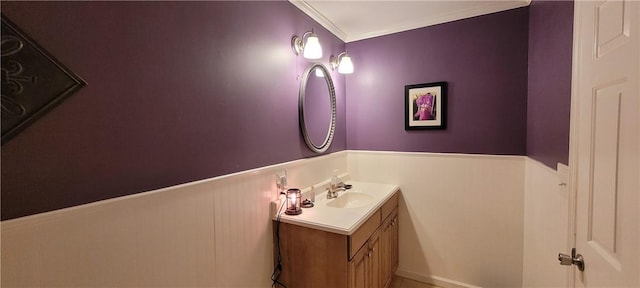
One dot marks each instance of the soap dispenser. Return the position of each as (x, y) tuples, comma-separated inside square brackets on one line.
[(333, 185)]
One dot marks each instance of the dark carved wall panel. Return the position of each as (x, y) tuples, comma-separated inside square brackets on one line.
[(32, 81)]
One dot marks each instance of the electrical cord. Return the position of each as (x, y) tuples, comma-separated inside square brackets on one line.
[(275, 276)]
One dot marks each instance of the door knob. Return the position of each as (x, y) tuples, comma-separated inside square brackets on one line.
[(574, 259)]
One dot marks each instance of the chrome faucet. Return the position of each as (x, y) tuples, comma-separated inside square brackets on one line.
[(332, 191)]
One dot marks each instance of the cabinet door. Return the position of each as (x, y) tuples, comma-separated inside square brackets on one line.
[(388, 248), (394, 242), (364, 268), (358, 273), (374, 261), (385, 252)]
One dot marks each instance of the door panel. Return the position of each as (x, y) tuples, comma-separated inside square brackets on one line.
[(603, 194), (612, 24)]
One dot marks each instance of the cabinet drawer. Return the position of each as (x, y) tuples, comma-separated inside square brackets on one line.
[(357, 239), (388, 206)]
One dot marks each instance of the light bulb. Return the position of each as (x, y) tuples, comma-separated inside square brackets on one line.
[(345, 66), (292, 201), (312, 49)]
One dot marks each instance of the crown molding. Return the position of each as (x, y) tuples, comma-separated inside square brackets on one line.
[(486, 8), (321, 19)]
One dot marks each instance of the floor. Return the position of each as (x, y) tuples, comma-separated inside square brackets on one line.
[(399, 282)]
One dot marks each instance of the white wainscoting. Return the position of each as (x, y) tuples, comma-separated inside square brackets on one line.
[(209, 233), (461, 216), (546, 225), (465, 221)]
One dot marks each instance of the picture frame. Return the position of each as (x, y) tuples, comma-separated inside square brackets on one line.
[(425, 106)]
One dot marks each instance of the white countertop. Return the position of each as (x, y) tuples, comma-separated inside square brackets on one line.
[(341, 220)]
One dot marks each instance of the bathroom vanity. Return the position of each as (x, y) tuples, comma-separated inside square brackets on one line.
[(349, 241)]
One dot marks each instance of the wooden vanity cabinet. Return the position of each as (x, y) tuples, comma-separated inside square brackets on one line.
[(365, 259)]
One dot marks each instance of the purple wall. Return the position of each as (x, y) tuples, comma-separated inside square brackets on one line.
[(484, 61), (177, 92), (171, 84), (549, 91)]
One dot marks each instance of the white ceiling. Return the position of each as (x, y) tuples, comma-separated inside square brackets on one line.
[(357, 20)]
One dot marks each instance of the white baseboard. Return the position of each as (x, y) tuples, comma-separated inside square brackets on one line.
[(434, 280)]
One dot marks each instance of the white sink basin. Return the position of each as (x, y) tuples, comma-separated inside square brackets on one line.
[(342, 215), (351, 200)]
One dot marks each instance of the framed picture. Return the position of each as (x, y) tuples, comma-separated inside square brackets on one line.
[(425, 106)]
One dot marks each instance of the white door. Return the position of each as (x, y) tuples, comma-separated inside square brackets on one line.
[(604, 142)]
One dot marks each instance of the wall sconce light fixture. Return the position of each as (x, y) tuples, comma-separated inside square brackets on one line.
[(342, 62), (308, 45)]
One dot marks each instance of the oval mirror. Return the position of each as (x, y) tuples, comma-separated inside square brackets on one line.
[(317, 108)]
